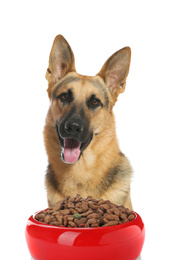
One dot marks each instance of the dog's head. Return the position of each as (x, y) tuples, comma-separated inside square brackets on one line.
[(81, 105)]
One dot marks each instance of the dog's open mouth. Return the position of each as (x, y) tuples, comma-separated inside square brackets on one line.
[(71, 149)]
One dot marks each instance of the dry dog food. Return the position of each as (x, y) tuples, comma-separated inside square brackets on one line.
[(85, 212)]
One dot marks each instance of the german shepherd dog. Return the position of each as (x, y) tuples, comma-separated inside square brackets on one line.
[(79, 133)]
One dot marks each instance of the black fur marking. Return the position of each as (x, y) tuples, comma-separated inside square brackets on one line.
[(102, 88), (62, 83), (69, 97), (113, 175), (50, 177), (91, 105)]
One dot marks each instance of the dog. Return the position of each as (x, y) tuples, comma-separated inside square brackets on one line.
[(79, 132)]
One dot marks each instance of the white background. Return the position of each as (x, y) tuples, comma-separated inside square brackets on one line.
[(146, 114)]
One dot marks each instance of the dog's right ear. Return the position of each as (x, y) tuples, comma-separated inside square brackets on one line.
[(61, 61), (115, 70)]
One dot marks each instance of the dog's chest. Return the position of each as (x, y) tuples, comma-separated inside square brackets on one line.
[(73, 186)]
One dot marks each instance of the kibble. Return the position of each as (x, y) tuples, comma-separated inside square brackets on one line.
[(85, 213)]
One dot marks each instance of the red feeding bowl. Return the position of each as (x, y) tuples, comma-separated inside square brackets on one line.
[(120, 242)]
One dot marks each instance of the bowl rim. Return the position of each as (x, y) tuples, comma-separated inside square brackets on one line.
[(135, 221)]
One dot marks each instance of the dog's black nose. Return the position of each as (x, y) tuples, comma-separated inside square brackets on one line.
[(74, 126)]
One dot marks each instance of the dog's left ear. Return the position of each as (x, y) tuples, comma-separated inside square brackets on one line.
[(115, 70), (61, 61)]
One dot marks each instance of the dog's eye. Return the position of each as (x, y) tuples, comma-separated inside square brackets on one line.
[(95, 102), (64, 97)]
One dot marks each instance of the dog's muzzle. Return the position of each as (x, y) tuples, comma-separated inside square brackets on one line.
[(74, 139)]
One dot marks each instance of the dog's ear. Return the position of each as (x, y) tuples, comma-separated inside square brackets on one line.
[(115, 70), (61, 61)]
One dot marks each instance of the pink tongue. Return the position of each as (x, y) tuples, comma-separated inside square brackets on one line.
[(71, 150)]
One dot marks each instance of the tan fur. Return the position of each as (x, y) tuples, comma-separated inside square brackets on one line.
[(87, 176)]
